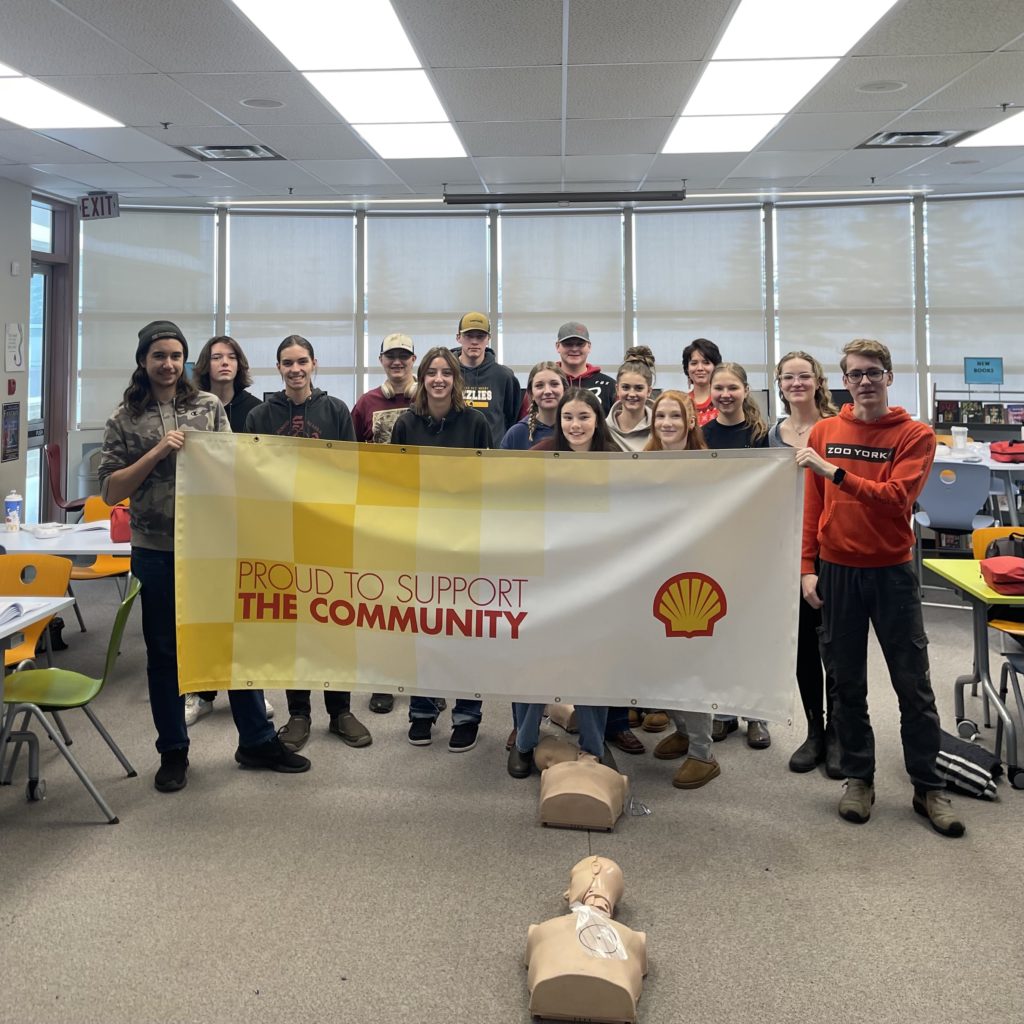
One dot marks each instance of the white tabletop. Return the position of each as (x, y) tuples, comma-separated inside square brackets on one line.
[(33, 609), (977, 454), (76, 539)]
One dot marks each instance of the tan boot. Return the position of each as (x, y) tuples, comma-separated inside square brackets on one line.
[(672, 747), (694, 773)]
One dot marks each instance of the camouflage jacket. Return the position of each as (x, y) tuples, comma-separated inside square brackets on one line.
[(127, 439)]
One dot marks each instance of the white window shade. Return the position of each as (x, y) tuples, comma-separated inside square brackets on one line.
[(139, 267), (845, 272), (556, 268), (975, 256), (291, 274), (700, 275), (422, 275)]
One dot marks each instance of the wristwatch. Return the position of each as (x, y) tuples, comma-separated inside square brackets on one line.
[(838, 477)]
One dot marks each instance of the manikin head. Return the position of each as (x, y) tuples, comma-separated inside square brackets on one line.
[(596, 882)]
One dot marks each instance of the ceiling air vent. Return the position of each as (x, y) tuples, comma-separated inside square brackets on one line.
[(253, 152), (917, 140)]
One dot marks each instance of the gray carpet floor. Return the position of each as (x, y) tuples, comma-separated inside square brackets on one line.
[(396, 883)]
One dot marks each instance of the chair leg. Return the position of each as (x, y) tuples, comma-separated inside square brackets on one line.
[(101, 729), (999, 722), (34, 711), (65, 735), (17, 737), (78, 612)]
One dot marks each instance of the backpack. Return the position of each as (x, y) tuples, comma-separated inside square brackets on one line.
[(1007, 451)]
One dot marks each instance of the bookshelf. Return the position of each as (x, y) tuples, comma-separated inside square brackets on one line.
[(987, 412)]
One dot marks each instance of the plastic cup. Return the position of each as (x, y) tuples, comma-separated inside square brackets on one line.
[(959, 438)]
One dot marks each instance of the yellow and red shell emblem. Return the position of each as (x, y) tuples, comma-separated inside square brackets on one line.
[(689, 604)]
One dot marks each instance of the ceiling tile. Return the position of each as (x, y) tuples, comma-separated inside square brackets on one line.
[(505, 170), (923, 120), (998, 79), (741, 183), (471, 34), (500, 94), (201, 135), (158, 192), (166, 173), (436, 172), (313, 142), (827, 131), (277, 175), (231, 189), (186, 35), (644, 30), (923, 75), (100, 175), (116, 144), (865, 163), (698, 169), (524, 138), (224, 93), (585, 136), (630, 90), (25, 147), (589, 169), (774, 165), (352, 173), (40, 179), (945, 26)]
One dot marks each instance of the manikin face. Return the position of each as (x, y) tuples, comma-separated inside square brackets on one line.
[(871, 396), (397, 365), (699, 368), (578, 425), (797, 382), (296, 367), (727, 394), (164, 363), (632, 391), (671, 425), (439, 379), (474, 345), (573, 354), (223, 363), (547, 389)]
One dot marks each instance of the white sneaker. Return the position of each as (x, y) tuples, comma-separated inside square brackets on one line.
[(270, 709), (195, 708)]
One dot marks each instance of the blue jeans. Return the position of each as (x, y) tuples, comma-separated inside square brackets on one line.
[(155, 571), (696, 726), (465, 712), (590, 721)]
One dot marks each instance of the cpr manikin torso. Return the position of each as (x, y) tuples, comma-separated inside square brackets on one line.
[(576, 790), (584, 965)]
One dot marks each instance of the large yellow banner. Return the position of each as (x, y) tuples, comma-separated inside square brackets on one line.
[(667, 580)]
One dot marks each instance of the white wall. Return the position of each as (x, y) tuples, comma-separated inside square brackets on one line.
[(15, 246)]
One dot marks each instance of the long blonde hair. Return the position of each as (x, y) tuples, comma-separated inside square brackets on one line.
[(694, 435), (752, 414)]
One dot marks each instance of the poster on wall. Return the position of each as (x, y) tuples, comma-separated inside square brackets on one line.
[(11, 432), (14, 347)]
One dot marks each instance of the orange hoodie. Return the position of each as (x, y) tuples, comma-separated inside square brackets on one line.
[(865, 523)]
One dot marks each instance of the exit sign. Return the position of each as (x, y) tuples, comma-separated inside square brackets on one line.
[(99, 206)]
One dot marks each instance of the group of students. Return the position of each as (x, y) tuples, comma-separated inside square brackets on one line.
[(462, 398)]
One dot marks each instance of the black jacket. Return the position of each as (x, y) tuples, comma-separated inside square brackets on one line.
[(320, 416), (239, 408), (466, 429)]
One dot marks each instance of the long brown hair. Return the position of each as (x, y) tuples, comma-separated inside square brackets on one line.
[(419, 403), (602, 441), (556, 368), (139, 392), (752, 414), (694, 435), (822, 396), (201, 371)]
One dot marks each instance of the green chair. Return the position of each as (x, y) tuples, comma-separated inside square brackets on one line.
[(33, 691)]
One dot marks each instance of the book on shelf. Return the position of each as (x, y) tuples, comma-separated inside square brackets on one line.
[(947, 411), (995, 412), (1015, 412), (972, 412)]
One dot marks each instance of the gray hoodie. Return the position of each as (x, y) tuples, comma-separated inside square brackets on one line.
[(630, 440)]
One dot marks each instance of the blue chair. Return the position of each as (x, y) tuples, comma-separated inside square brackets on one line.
[(951, 502)]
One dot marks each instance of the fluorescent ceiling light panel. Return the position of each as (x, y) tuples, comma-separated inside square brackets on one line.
[(798, 28), (34, 105), (1007, 133), (412, 141), (755, 86), (379, 97), (333, 36), (720, 134)]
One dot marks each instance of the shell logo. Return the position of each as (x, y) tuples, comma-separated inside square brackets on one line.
[(689, 604)]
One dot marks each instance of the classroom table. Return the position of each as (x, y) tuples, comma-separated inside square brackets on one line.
[(1004, 472), (965, 575), (71, 541)]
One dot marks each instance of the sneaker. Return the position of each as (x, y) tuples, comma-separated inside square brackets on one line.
[(273, 755), (855, 805), (382, 703), (520, 765), (694, 773), (672, 747), (655, 721), (269, 709), (195, 708), (294, 734), (419, 731), (463, 737), (351, 730), (721, 727), (626, 742), (173, 771), (758, 737), (938, 809)]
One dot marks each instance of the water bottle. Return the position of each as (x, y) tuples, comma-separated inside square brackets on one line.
[(13, 510)]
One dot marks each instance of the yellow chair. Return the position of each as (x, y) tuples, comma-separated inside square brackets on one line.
[(32, 575), (115, 567)]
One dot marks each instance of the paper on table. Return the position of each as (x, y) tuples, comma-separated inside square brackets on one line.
[(97, 525), (9, 611)]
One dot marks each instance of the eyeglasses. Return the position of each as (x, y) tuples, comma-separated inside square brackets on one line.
[(803, 378), (875, 374)]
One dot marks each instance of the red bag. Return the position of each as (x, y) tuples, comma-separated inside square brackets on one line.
[(1007, 451), (121, 525), (1004, 574)]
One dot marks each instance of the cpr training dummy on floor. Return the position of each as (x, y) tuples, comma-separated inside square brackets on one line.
[(576, 790), (583, 965)]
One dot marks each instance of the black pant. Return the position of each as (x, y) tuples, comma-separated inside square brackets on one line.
[(337, 702), (809, 671), (889, 598)]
